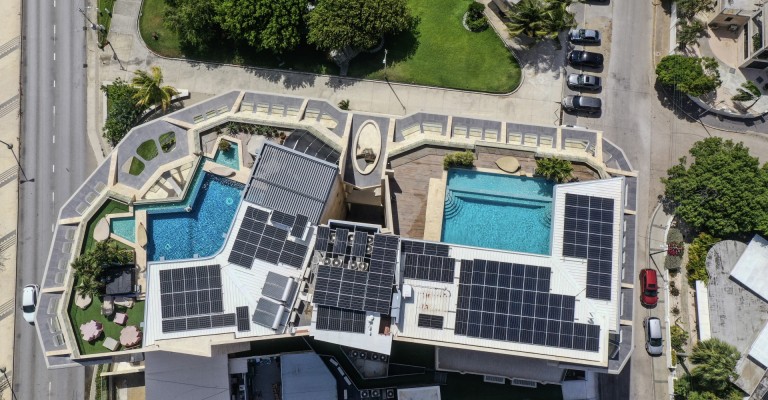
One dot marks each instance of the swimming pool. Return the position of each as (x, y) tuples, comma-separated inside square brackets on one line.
[(175, 233), (497, 211), (123, 227), (229, 158)]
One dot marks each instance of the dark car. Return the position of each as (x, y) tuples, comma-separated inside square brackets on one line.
[(650, 287), (582, 103), (584, 36), (584, 81), (579, 58)]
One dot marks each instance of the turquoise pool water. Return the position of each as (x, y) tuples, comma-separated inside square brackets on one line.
[(175, 233), (498, 211), (124, 227), (229, 158)]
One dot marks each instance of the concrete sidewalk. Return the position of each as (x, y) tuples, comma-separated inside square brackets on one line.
[(10, 64), (535, 101)]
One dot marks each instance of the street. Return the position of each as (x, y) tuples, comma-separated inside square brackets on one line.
[(55, 154)]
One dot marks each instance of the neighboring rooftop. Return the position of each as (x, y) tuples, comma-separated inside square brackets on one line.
[(751, 271), (305, 376)]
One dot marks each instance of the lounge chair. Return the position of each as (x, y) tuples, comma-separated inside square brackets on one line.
[(107, 306), (111, 343)]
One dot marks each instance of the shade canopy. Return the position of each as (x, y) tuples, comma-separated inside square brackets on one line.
[(130, 336), (91, 330)]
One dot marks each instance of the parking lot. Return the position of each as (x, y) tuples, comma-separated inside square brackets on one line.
[(596, 16)]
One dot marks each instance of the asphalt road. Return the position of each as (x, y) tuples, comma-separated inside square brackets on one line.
[(55, 153)]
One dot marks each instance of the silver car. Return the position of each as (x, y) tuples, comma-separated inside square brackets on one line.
[(653, 342), (584, 81), (584, 36)]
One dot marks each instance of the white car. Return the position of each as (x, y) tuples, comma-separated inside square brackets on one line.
[(29, 302)]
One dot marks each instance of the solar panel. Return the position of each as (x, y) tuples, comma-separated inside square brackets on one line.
[(277, 287), (299, 225), (426, 248), (323, 233), (248, 237), (359, 243), (188, 291), (197, 323), (588, 233), (512, 302), (268, 313), (282, 218), (429, 268), (340, 243), (337, 319), (430, 321)]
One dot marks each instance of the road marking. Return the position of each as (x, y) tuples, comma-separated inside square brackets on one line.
[(54, 3), (52, 225), (53, 197), (54, 110), (54, 29), (53, 168), (54, 139), (54, 83), (54, 56)]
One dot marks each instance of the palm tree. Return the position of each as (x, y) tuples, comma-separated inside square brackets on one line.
[(525, 18), (557, 19), (89, 286), (151, 90), (715, 365), (555, 169)]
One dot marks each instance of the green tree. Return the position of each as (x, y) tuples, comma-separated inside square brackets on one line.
[(689, 32), (526, 19), (555, 169), (273, 25), (557, 19), (748, 92), (715, 366), (679, 337), (89, 285), (354, 25), (723, 192), (195, 23), (151, 90), (697, 258), (689, 8), (692, 75), (122, 111)]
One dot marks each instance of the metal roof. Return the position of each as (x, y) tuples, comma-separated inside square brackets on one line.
[(305, 376), (289, 181)]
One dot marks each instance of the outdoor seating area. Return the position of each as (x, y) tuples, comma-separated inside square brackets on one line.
[(108, 323)]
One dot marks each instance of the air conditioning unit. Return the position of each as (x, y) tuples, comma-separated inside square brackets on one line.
[(733, 27), (384, 358), (350, 239), (337, 262), (332, 236), (368, 249), (327, 261), (363, 354), (369, 239), (375, 393), (362, 266), (365, 394), (389, 394)]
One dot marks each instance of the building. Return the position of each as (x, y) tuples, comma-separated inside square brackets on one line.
[(310, 234)]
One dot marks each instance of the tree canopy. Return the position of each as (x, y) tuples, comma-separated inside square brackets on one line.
[(150, 87), (122, 112), (555, 169), (356, 24), (540, 19), (715, 368), (724, 191), (274, 25), (194, 21), (692, 75)]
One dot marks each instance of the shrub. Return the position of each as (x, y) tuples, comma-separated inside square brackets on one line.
[(554, 169), (459, 159), (122, 111), (673, 262), (679, 337), (675, 249), (476, 20), (674, 357), (697, 257), (224, 145), (676, 310), (344, 104), (674, 291), (674, 235), (167, 141)]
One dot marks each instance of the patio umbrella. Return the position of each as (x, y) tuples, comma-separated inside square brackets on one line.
[(91, 330), (141, 237), (130, 336)]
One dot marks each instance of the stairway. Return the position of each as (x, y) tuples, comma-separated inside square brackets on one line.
[(452, 205)]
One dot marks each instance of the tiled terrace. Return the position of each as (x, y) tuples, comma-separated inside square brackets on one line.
[(414, 169)]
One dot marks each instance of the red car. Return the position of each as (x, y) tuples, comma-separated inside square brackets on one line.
[(650, 287)]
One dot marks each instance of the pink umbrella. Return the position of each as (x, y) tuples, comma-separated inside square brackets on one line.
[(130, 336), (91, 330)]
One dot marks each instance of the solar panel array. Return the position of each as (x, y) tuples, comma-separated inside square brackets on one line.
[(336, 319), (243, 325), (426, 248), (299, 225), (359, 244), (512, 302), (430, 321), (275, 286), (279, 217), (371, 290), (190, 291), (588, 233), (429, 268), (257, 240), (196, 323), (268, 313)]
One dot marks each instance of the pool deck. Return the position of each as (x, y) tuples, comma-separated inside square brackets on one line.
[(414, 170)]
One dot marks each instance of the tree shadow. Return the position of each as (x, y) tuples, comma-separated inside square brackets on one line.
[(398, 48), (678, 103), (545, 56)]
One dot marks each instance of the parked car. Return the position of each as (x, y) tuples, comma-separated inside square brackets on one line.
[(582, 103), (653, 341), (579, 58), (584, 36), (29, 302), (584, 81), (649, 295)]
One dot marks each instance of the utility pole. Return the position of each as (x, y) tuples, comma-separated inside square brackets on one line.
[(10, 147)]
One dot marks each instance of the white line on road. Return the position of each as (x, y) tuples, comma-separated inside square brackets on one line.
[(53, 168), (54, 56), (53, 197), (54, 139), (54, 83), (54, 29), (54, 110), (54, 3), (52, 225)]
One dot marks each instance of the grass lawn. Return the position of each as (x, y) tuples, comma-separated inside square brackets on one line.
[(167, 141), (104, 17), (109, 207), (441, 53), (147, 150), (136, 168), (111, 329)]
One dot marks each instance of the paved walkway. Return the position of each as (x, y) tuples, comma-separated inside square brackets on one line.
[(536, 101), (10, 64)]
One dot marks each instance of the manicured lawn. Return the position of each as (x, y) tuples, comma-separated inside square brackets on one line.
[(440, 53), (136, 168), (111, 329), (147, 150), (167, 141), (104, 17), (109, 207)]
